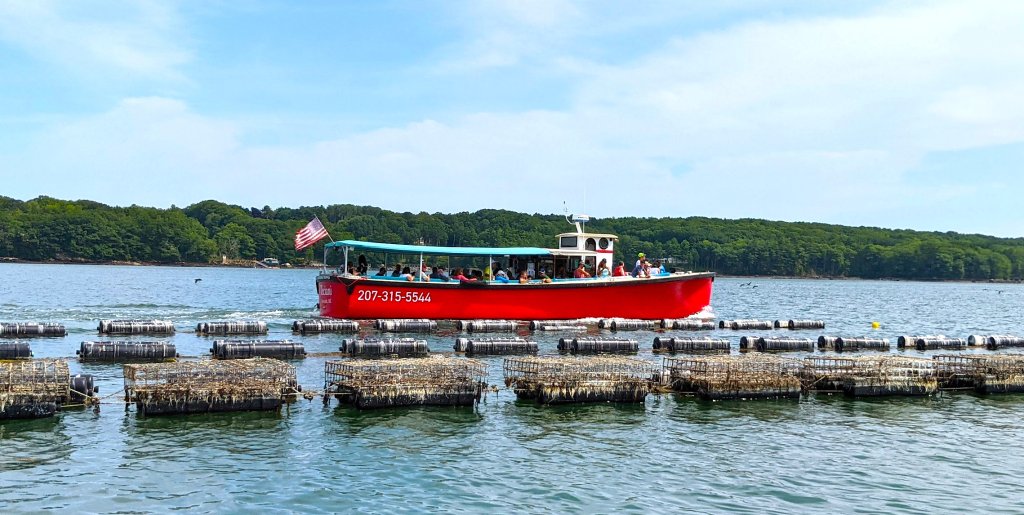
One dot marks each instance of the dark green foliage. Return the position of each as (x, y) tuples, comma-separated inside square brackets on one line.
[(46, 228)]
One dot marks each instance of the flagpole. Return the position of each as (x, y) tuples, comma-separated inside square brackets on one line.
[(325, 247)]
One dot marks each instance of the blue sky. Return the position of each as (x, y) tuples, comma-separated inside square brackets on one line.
[(891, 114)]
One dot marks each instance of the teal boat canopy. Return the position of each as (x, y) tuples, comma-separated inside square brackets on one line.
[(370, 246)]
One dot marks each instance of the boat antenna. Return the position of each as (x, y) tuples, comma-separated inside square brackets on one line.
[(580, 220)]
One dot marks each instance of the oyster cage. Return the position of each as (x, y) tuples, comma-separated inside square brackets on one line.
[(33, 389), (562, 379), (256, 384), (383, 383), (759, 376)]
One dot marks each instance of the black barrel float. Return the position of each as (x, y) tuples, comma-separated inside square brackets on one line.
[(556, 325), (904, 341), (32, 329), (565, 344), (827, 342), (490, 326), (998, 341), (785, 344), (460, 344), (688, 324), (805, 324), (749, 342), (401, 347), (325, 326), (596, 345), (126, 352), (126, 327), (691, 344), (633, 325), (495, 346), (939, 342), (748, 324), (232, 327), (82, 386), (406, 326), (242, 349), (15, 350), (860, 343)]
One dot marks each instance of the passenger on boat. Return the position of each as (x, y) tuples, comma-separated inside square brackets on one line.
[(642, 269), (581, 271), (658, 268), (363, 266), (383, 272), (620, 271), (499, 273), (398, 270), (460, 276), (406, 274), (353, 271), (487, 273), (524, 277), (602, 268), (544, 277), (439, 274), (421, 274)]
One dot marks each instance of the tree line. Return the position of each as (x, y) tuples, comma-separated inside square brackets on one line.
[(45, 229)]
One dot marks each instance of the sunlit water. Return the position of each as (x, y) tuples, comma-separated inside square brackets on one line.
[(953, 452)]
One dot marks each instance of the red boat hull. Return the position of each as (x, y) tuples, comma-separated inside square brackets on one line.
[(673, 296)]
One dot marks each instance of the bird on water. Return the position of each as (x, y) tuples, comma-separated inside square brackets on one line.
[(197, 281)]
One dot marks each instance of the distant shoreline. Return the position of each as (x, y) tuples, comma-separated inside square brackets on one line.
[(318, 266), (181, 264)]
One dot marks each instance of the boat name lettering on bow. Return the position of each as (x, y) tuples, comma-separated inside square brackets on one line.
[(392, 296)]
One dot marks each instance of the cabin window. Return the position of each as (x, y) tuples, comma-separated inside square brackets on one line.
[(568, 242), (591, 244), (603, 243)]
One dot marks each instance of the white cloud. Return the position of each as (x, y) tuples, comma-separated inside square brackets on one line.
[(504, 33), (141, 39), (816, 119)]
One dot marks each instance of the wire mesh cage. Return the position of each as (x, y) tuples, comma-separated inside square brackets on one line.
[(999, 373), (757, 376), (209, 385), (826, 374), (885, 375), (431, 381), (33, 389), (563, 379)]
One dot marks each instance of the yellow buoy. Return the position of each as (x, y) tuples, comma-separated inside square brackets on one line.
[(875, 325)]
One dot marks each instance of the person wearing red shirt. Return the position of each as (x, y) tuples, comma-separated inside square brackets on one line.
[(620, 271)]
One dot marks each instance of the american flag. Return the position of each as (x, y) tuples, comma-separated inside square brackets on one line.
[(313, 232)]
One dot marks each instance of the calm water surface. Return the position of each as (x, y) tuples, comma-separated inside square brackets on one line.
[(953, 452)]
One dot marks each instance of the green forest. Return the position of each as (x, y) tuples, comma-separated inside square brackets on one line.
[(48, 229)]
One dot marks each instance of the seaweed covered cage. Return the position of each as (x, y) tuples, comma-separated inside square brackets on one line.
[(891, 375), (560, 379), (758, 376), (827, 374), (209, 386), (33, 389), (1000, 373), (958, 371), (383, 383)]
